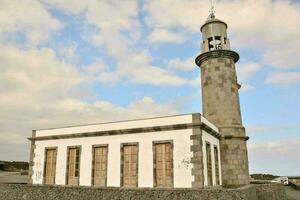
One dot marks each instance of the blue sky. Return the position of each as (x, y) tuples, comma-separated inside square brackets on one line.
[(76, 62)]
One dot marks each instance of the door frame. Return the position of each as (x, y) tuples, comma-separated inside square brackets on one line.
[(93, 162), (216, 158), (211, 164), (45, 163), (67, 165), (154, 159), (122, 160)]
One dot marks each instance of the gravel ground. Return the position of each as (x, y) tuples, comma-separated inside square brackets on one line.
[(291, 193), (13, 177), (16, 177)]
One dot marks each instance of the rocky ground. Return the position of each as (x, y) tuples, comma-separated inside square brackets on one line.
[(16, 177), (291, 193)]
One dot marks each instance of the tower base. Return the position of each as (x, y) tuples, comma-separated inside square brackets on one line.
[(234, 158)]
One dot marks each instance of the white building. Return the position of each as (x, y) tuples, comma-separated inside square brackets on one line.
[(175, 151)]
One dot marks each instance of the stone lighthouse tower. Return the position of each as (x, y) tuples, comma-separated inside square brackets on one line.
[(220, 99)]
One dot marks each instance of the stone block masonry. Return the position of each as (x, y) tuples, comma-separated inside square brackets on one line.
[(197, 158), (39, 192), (234, 160), (222, 107), (220, 91), (32, 155)]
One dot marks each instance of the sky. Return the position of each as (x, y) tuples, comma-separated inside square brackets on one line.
[(88, 61)]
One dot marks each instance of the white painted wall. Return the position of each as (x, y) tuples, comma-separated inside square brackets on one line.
[(181, 157), (206, 137)]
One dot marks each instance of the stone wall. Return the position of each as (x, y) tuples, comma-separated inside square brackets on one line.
[(295, 184), (220, 94), (38, 192), (197, 158), (221, 106), (270, 191)]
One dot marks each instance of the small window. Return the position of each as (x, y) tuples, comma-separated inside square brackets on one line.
[(210, 44), (216, 154), (214, 43), (77, 163), (208, 164), (218, 43)]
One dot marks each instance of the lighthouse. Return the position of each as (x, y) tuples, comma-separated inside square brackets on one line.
[(220, 98)]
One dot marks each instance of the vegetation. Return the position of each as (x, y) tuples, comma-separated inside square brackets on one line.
[(263, 176), (14, 166)]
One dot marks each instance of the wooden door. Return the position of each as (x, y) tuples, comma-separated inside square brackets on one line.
[(73, 166), (100, 166), (50, 166), (163, 165), (208, 164), (130, 164)]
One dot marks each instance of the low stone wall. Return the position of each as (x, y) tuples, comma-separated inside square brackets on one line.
[(35, 192), (295, 183), (295, 186), (270, 191)]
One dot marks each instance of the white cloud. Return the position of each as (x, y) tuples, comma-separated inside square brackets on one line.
[(274, 36), (98, 71), (276, 148), (148, 107), (119, 33), (107, 14), (183, 65), (68, 52), (28, 17), (37, 90), (35, 114), (69, 6), (165, 36), (284, 56), (270, 129), (254, 129), (283, 78), (136, 70), (174, 14), (247, 70), (34, 70), (41, 88), (155, 76), (246, 87), (195, 82), (277, 157)]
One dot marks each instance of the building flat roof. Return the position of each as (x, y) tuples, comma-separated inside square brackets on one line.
[(173, 122)]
